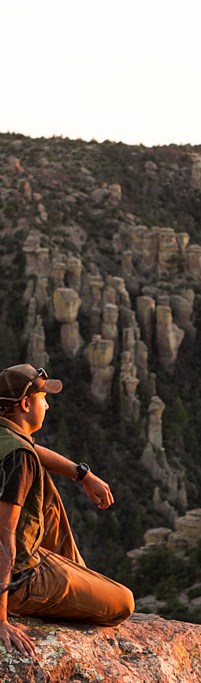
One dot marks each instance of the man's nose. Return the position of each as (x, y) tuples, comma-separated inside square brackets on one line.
[(46, 405)]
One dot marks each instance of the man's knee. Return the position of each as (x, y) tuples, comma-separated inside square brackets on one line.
[(129, 604), (125, 605)]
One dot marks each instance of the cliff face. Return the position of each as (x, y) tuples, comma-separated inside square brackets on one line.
[(145, 649), (100, 282)]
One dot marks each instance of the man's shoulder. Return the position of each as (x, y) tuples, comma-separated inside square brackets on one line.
[(10, 442)]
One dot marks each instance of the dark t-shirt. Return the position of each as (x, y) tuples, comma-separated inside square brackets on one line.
[(17, 474)]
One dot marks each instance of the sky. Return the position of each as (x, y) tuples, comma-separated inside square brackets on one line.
[(119, 70)]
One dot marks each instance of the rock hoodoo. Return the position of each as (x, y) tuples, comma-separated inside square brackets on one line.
[(169, 337), (66, 305), (100, 355), (37, 354)]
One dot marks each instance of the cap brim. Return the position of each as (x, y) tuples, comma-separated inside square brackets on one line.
[(49, 386), (52, 386)]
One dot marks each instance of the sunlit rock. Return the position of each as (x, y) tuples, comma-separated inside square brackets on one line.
[(169, 338), (109, 324), (100, 355), (190, 525), (66, 304), (100, 352)]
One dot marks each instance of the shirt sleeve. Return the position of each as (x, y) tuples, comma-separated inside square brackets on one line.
[(17, 474)]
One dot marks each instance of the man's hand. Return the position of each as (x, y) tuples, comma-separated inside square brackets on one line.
[(16, 635), (98, 491)]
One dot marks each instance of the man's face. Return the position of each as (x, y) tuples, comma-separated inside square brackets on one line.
[(37, 410)]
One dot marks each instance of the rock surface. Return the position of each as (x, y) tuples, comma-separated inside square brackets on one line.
[(144, 649)]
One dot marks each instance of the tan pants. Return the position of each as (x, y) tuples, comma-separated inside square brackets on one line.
[(61, 586)]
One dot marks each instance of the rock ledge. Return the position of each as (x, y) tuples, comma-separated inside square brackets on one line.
[(144, 649)]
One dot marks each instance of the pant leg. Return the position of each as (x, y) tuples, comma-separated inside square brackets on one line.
[(62, 589), (58, 536)]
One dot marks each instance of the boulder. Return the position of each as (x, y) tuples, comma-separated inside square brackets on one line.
[(100, 352), (144, 649), (157, 535), (177, 543), (190, 525), (66, 304)]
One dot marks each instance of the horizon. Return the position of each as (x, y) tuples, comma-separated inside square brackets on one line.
[(94, 141)]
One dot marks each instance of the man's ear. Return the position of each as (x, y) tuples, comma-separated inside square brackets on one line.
[(25, 403)]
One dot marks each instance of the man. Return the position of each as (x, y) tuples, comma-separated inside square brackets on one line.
[(41, 570)]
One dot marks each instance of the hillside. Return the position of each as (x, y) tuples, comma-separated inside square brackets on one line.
[(100, 282)]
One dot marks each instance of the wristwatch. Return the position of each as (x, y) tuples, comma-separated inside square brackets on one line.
[(82, 470)]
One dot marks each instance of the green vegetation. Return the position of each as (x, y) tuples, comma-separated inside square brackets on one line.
[(75, 425)]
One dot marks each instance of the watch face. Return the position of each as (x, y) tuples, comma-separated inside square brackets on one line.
[(82, 470)]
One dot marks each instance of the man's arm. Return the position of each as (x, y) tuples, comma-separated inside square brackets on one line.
[(96, 489), (9, 516)]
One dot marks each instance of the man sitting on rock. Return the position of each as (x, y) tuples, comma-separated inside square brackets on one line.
[(41, 570)]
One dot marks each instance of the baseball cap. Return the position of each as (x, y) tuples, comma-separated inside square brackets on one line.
[(16, 380)]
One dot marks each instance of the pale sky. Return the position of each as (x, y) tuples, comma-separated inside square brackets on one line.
[(122, 70)]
